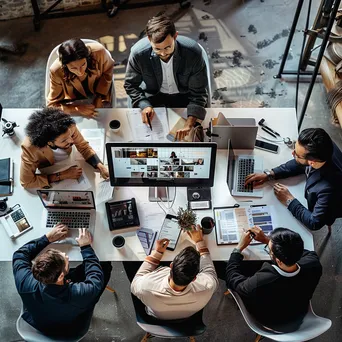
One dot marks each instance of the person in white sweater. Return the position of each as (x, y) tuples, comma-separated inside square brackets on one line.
[(181, 290)]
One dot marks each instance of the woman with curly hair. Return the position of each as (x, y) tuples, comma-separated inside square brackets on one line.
[(50, 135), (81, 79)]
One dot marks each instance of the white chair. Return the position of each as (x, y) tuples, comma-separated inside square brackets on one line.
[(206, 59), (54, 55), (311, 327), (30, 334)]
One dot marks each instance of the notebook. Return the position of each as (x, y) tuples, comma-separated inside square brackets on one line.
[(6, 177)]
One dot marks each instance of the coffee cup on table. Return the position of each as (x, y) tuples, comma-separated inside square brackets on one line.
[(118, 241), (207, 224), (115, 125)]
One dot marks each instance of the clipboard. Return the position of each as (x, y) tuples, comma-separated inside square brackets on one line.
[(230, 221)]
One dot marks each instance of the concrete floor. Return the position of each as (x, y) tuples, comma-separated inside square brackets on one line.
[(244, 81)]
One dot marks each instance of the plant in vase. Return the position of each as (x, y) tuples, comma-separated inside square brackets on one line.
[(186, 218)]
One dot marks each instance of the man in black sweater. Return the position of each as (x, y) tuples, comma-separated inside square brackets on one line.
[(58, 302), (278, 294)]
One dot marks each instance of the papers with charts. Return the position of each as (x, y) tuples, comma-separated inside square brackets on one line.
[(231, 222), (142, 132)]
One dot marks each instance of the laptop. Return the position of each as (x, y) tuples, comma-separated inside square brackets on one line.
[(239, 167), (76, 209), (241, 131)]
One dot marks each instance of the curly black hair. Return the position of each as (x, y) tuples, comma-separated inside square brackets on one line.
[(46, 125)]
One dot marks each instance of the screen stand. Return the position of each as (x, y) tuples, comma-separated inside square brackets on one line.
[(161, 193)]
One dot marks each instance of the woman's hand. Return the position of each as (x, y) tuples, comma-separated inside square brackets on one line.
[(103, 171)]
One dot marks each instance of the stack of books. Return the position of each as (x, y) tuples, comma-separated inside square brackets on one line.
[(6, 177)]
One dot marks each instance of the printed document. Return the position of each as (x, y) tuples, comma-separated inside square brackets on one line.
[(142, 132), (231, 222), (95, 138)]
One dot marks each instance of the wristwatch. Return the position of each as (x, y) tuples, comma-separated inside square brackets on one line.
[(236, 250), (268, 174), (288, 201)]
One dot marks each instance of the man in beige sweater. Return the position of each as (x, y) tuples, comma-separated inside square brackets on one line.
[(181, 290)]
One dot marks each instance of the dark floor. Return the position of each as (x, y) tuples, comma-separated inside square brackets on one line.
[(244, 81)]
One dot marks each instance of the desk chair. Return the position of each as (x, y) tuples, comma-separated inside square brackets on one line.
[(30, 334), (54, 55), (311, 327), (206, 59), (189, 327)]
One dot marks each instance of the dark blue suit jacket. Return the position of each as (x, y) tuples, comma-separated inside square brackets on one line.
[(57, 309), (323, 191), (144, 74)]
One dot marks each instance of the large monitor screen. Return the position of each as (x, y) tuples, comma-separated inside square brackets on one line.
[(161, 164)]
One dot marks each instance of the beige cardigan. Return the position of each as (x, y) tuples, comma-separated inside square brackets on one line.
[(33, 158), (99, 81)]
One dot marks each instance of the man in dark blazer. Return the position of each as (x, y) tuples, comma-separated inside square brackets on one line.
[(278, 294), (58, 302), (316, 156), (165, 69)]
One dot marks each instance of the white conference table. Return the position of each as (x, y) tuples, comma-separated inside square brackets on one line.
[(282, 120)]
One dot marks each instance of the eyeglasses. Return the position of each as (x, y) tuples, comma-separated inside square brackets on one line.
[(294, 153), (267, 250)]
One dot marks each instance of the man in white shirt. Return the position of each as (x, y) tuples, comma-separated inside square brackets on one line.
[(167, 70), (181, 290)]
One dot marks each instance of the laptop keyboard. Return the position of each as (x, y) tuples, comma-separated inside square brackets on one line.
[(245, 167), (73, 220)]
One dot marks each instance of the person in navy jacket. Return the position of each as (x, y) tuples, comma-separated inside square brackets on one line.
[(56, 301), (318, 157)]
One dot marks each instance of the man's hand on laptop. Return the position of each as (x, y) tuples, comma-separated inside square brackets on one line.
[(256, 179), (259, 235), (196, 233), (58, 232), (84, 237)]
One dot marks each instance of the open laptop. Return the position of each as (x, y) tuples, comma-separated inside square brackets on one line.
[(239, 167), (76, 209), (241, 131)]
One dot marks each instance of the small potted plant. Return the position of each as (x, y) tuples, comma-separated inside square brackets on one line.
[(186, 218)]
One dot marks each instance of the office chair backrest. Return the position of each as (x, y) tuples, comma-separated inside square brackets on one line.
[(30, 334), (206, 59), (311, 327), (192, 326)]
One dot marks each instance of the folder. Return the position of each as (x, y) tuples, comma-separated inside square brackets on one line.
[(6, 177)]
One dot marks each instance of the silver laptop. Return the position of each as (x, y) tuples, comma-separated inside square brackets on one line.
[(239, 167), (76, 209), (241, 131)]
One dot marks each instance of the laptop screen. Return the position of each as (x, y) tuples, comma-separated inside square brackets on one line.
[(58, 199), (230, 169)]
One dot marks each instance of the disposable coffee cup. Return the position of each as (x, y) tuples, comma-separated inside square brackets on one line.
[(118, 241), (207, 224), (115, 126)]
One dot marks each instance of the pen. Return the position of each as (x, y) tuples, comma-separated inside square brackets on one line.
[(267, 131), (149, 121), (273, 131)]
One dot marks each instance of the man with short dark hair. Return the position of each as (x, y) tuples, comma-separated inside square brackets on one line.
[(165, 69), (278, 294), (181, 290), (50, 136), (58, 302), (318, 157)]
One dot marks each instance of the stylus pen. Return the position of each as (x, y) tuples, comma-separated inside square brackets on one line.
[(149, 121), (267, 131)]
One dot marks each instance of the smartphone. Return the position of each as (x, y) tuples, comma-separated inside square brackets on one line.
[(263, 145), (170, 230)]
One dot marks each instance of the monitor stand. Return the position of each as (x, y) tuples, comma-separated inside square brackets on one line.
[(161, 193)]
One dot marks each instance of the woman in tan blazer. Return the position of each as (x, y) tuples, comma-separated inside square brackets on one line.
[(81, 72), (50, 136)]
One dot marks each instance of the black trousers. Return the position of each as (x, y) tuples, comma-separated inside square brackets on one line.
[(169, 101)]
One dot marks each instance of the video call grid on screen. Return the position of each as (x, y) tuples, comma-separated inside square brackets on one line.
[(161, 162), (67, 199)]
